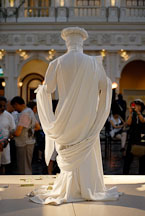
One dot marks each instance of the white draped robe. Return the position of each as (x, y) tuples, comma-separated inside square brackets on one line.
[(84, 104)]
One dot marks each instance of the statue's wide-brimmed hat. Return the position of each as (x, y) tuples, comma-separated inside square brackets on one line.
[(74, 31)]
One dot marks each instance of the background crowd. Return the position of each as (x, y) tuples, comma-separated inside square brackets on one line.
[(22, 139)]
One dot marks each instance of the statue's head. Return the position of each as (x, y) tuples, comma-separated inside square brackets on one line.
[(74, 36)]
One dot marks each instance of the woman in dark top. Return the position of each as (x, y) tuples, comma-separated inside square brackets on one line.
[(136, 121)]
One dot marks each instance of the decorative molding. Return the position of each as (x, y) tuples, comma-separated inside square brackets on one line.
[(95, 40)]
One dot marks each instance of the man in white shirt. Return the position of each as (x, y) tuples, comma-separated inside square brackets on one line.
[(7, 126), (24, 135)]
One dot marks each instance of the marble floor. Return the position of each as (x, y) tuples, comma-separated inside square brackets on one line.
[(14, 201)]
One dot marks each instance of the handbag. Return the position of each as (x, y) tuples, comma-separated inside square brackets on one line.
[(139, 149)]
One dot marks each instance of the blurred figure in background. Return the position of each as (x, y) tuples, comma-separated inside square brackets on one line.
[(15, 114), (118, 129), (136, 121), (3, 144), (122, 106), (24, 135), (39, 134), (7, 126)]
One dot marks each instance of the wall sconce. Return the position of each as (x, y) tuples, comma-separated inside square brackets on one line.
[(114, 85), (51, 54), (103, 53), (2, 53), (124, 55), (22, 53), (20, 84), (61, 3), (113, 3), (12, 3), (3, 84)]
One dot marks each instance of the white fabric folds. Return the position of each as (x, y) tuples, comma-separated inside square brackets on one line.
[(84, 104)]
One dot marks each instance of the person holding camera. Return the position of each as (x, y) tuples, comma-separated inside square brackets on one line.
[(136, 121)]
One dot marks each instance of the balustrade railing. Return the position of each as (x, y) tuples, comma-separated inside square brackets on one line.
[(81, 13), (36, 12), (132, 14)]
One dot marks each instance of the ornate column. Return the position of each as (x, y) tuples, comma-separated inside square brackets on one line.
[(111, 68), (103, 3), (107, 3), (122, 3), (3, 3), (7, 3), (11, 62), (17, 3), (72, 3)]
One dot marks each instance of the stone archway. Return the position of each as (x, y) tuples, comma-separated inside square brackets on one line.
[(31, 75), (132, 81)]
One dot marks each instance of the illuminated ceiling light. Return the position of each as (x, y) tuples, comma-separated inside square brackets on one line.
[(114, 85), (3, 83), (62, 3)]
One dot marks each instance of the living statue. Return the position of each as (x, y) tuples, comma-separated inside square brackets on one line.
[(84, 104)]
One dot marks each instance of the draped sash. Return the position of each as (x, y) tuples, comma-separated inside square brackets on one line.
[(76, 152), (75, 132), (55, 127)]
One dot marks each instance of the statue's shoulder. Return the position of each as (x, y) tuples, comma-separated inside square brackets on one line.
[(57, 60), (99, 59)]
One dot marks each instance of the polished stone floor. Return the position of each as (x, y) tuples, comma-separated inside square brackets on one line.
[(14, 202)]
